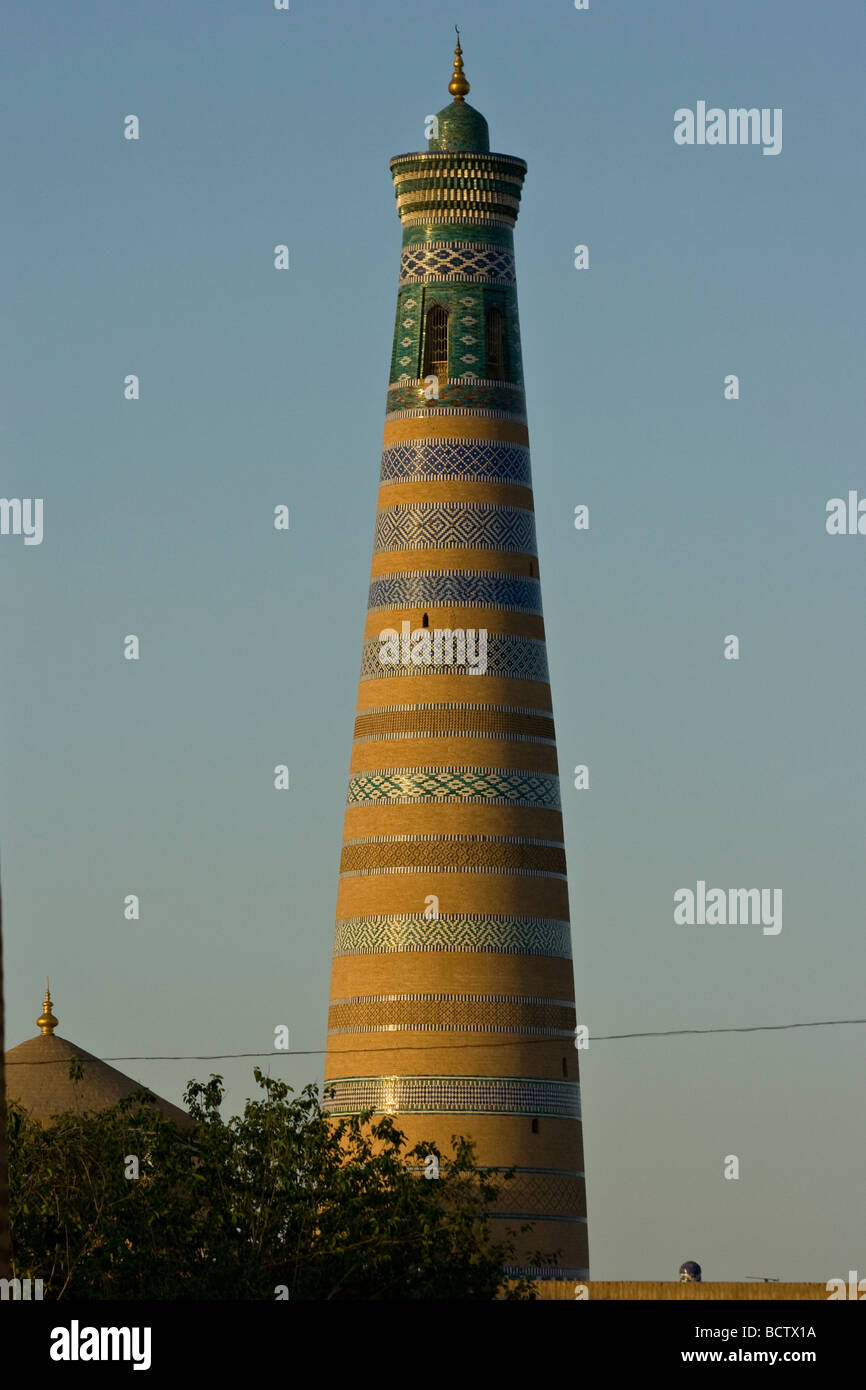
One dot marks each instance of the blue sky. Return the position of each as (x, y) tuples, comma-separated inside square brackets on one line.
[(257, 387)]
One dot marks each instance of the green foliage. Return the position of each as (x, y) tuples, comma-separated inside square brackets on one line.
[(75, 1071), (278, 1196)]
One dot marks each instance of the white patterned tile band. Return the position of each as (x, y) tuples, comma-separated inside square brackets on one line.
[(457, 260), (455, 589), (473, 460), (495, 786), (459, 1095), (507, 657), (448, 525), (440, 997), (512, 936)]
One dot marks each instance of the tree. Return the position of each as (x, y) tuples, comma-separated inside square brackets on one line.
[(280, 1201)]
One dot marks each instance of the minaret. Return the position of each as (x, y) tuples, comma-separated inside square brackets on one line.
[(452, 991)]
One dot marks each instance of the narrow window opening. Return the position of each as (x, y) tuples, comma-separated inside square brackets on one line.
[(565, 1066), (425, 621), (495, 334), (535, 1125), (532, 569), (436, 343)]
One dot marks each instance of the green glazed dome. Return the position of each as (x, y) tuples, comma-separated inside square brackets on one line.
[(461, 127)]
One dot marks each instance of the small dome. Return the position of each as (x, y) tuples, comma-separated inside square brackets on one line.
[(461, 127), (38, 1077)]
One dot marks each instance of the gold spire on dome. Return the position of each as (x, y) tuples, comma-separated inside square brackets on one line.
[(47, 1022), (458, 86)]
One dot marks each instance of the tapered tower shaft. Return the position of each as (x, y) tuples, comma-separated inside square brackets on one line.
[(452, 993)]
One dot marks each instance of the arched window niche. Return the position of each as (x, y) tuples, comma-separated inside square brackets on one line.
[(436, 342), (495, 341)]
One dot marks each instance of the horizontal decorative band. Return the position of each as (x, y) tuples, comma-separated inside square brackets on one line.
[(446, 998), (436, 161), (459, 178), (458, 705), (508, 735), (511, 388), (452, 1014), (455, 721), (536, 1216), (466, 392), (547, 1196), (452, 1095), (456, 839), (450, 856), (454, 652), (468, 460), (544, 1272), (453, 525), (427, 427), (475, 217), (513, 936), (376, 871), (455, 589), (490, 192), (517, 1030), (489, 236), (457, 260), (444, 413), (495, 786), (458, 199)]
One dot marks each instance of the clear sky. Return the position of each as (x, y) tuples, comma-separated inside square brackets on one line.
[(259, 387)]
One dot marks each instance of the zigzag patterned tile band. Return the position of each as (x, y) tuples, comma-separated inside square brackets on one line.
[(455, 589), (450, 260), (399, 786), (444, 525), (453, 1095), (509, 658), (472, 460), (509, 936)]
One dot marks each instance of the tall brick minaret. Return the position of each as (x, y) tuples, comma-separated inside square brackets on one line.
[(452, 987)]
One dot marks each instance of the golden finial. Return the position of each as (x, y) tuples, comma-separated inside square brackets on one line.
[(458, 86), (47, 1022)]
